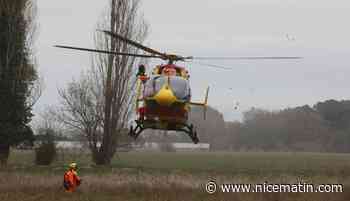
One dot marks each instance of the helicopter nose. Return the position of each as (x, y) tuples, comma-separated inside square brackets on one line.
[(165, 96)]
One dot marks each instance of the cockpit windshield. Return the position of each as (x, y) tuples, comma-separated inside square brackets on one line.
[(179, 86)]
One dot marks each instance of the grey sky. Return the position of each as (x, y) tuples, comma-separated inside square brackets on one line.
[(219, 28)]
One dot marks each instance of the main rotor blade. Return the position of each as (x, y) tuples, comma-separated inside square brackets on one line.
[(136, 44), (212, 65), (243, 58), (107, 52)]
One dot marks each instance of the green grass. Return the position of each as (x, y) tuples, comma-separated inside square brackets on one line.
[(242, 163), (238, 163)]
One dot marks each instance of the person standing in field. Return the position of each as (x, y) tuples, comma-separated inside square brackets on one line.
[(71, 179)]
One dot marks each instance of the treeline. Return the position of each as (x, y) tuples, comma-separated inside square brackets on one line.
[(324, 127)]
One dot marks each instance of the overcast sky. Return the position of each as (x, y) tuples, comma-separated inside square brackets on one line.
[(314, 29)]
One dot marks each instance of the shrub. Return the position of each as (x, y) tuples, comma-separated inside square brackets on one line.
[(46, 152)]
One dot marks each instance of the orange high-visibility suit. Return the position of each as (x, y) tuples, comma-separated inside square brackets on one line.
[(71, 180)]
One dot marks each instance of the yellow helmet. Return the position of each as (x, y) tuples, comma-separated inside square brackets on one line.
[(73, 165)]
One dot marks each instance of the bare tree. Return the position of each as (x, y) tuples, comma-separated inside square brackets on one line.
[(100, 103), (81, 109)]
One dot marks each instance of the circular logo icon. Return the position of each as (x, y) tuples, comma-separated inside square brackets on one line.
[(210, 187)]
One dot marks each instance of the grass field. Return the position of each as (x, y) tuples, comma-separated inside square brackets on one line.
[(175, 176)]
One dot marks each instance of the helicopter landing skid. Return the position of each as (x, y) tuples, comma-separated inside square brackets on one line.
[(141, 126), (135, 132)]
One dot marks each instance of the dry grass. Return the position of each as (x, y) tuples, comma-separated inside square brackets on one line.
[(177, 176), (142, 186)]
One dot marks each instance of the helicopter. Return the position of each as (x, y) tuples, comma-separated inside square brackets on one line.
[(163, 99)]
